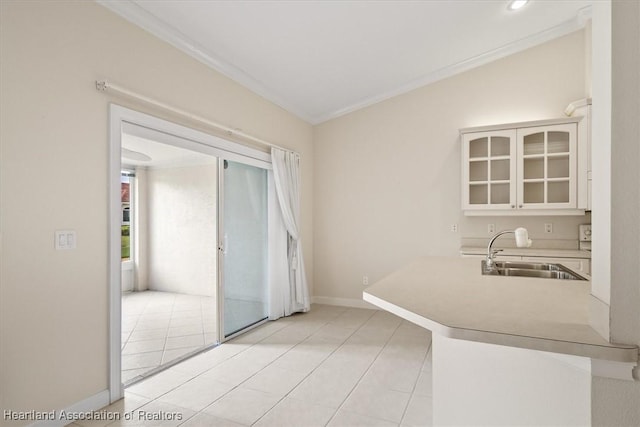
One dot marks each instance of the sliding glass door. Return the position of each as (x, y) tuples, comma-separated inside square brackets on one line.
[(243, 246)]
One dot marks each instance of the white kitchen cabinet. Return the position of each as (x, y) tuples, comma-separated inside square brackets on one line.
[(489, 171), (529, 168), (547, 167)]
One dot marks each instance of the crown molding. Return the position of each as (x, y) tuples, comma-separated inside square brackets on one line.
[(149, 22), (558, 31)]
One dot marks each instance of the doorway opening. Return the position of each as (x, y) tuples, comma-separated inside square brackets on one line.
[(169, 254), (189, 250)]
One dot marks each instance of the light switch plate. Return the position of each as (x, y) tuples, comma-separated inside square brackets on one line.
[(65, 239)]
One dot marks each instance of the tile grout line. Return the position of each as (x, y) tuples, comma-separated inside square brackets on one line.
[(202, 373), (415, 384), (270, 363), (363, 375), (314, 369), (150, 369), (342, 343)]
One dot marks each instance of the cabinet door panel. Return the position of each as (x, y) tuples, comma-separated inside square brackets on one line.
[(489, 170), (547, 167)]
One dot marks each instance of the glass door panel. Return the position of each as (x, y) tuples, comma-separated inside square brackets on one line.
[(533, 192), (478, 148), (478, 194), (558, 142), (243, 246), (533, 144), (499, 194), (558, 167), (500, 170), (534, 168), (558, 192), (478, 171), (500, 146)]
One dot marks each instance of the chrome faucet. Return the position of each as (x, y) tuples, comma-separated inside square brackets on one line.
[(522, 241)]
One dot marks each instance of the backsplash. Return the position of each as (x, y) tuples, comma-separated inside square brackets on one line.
[(565, 234)]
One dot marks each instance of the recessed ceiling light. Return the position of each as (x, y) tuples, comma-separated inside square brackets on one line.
[(516, 4)]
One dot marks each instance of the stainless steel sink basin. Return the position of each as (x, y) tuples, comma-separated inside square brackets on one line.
[(528, 265), (531, 269)]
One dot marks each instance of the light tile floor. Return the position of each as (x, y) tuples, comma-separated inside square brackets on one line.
[(333, 366), (159, 327)]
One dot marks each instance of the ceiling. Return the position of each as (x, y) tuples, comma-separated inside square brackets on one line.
[(161, 155), (323, 59)]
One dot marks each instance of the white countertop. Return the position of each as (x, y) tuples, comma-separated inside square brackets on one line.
[(450, 296), (534, 252)]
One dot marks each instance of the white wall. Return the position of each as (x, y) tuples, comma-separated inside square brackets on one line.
[(616, 402), (479, 384), (141, 234), (601, 151), (53, 175), (388, 176), (182, 239)]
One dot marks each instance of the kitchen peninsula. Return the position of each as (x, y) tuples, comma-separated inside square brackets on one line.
[(529, 337)]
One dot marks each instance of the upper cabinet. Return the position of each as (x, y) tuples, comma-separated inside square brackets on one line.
[(530, 168)]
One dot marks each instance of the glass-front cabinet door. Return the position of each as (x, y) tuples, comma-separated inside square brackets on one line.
[(547, 167), (489, 170)]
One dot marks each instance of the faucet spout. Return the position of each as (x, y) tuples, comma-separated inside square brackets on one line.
[(522, 241)]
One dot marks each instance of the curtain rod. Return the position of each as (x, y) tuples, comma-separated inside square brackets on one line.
[(104, 86)]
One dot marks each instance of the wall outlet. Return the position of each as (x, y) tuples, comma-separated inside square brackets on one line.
[(548, 228), (491, 228), (365, 280), (454, 228)]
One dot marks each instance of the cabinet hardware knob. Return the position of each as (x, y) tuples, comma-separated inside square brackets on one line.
[(520, 206), (513, 206)]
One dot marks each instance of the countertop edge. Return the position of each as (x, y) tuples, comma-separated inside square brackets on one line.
[(616, 353)]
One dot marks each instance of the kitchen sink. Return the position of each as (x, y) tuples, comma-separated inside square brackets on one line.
[(528, 265), (530, 269)]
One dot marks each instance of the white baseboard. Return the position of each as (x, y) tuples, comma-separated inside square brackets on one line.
[(343, 302), (83, 407)]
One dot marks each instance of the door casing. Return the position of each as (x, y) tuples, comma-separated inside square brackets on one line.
[(145, 125)]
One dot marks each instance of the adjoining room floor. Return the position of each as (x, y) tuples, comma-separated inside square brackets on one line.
[(158, 327), (333, 366)]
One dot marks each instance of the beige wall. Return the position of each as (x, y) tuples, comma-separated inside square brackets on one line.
[(388, 176), (53, 304)]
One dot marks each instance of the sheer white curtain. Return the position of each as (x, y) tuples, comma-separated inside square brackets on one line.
[(289, 291)]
